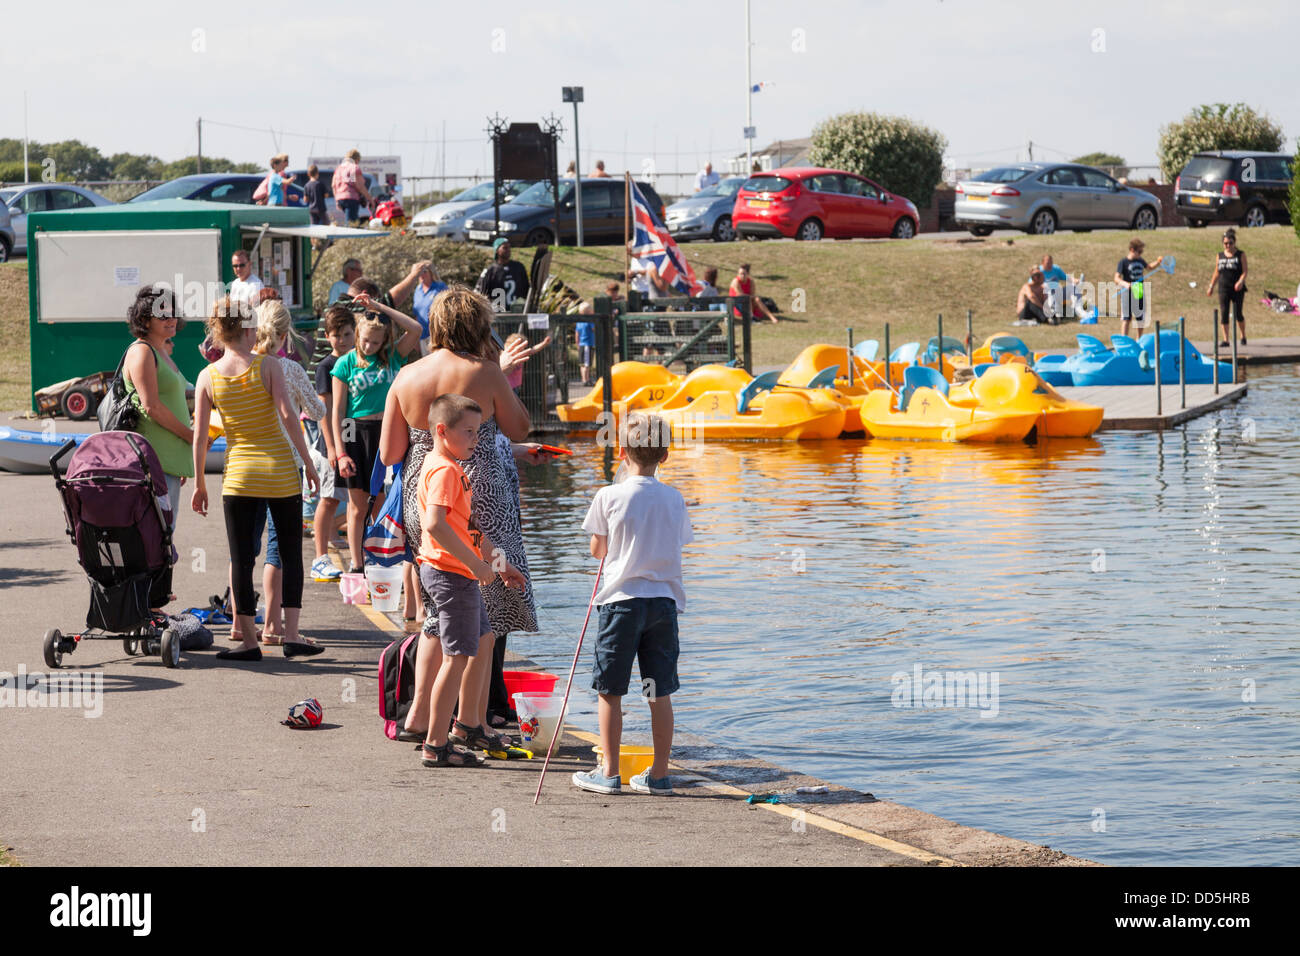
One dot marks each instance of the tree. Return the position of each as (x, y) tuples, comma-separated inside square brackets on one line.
[(904, 157), (134, 166), (74, 161), (1099, 159), (1215, 126), (211, 164), (11, 151)]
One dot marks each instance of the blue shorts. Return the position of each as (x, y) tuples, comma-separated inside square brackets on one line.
[(640, 628)]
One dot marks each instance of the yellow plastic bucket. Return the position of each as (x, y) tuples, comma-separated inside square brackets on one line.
[(631, 760)]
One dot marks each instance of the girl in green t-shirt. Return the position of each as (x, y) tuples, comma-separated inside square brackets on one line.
[(362, 378)]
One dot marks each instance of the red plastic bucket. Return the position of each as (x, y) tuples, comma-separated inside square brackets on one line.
[(528, 682)]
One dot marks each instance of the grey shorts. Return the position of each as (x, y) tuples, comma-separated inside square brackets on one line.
[(462, 614)]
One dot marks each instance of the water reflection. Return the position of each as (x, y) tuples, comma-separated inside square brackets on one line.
[(1129, 591)]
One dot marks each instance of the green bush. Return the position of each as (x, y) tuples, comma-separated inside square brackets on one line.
[(904, 157), (387, 260), (1215, 126), (13, 172)]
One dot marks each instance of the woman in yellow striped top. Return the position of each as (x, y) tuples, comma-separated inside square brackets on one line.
[(260, 471)]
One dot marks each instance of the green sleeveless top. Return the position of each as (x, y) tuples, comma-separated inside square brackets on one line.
[(175, 455)]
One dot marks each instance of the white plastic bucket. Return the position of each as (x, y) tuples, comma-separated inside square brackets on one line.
[(540, 715), (385, 586)]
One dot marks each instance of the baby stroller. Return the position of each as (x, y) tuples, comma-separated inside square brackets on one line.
[(115, 499)]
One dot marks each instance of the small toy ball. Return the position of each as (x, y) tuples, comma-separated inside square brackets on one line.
[(305, 714)]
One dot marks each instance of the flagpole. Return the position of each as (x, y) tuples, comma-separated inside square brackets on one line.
[(749, 97), (627, 236)]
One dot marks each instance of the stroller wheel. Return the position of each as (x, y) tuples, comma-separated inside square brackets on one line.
[(131, 646), (171, 648), (53, 647)]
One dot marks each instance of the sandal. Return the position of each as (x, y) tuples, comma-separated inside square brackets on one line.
[(476, 738), (447, 756)]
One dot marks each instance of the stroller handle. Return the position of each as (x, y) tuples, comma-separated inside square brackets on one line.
[(70, 444)]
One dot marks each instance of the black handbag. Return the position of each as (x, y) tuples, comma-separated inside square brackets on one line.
[(117, 411)]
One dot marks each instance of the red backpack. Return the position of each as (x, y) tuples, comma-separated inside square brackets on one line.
[(397, 682)]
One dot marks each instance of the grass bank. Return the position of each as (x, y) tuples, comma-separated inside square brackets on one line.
[(842, 284), (907, 284), (15, 358)]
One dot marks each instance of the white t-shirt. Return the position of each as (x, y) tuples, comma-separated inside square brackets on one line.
[(246, 289), (646, 525)]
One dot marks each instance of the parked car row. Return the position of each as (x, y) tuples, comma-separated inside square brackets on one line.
[(1249, 188), (806, 203)]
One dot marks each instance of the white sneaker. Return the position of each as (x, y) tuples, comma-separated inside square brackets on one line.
[(323, 569)]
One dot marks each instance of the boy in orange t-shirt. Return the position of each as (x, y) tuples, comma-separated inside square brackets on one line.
[(452, 563)]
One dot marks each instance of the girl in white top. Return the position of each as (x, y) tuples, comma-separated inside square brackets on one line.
[(275, 330)]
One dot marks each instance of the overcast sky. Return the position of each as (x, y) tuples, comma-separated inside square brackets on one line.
[(663, 80)]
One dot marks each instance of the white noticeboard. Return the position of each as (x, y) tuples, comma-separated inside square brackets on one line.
[(94, 276)]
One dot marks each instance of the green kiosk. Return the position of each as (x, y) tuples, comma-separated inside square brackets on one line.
[(85, 266)]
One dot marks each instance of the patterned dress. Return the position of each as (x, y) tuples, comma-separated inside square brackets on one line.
[(494, 486)]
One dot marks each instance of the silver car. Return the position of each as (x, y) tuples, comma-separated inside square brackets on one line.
[(1041, 198), (41, 197), (707, 214), (6, 234), (445, 219)]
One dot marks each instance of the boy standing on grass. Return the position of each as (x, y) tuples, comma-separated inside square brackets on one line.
[(452, 566), (638, 527), (341, 331), (1130, 276)]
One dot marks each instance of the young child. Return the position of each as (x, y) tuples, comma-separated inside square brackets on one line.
[(1133, 270), (639, 528), (362, 378), (341, 332), (454, 558), (584, 337)]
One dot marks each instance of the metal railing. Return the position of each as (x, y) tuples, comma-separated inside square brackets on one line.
[(682, 331)]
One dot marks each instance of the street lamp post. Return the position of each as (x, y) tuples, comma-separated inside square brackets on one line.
[(573, 94)]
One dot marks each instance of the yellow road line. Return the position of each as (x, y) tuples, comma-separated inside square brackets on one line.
[(379, 619), (808, 816)]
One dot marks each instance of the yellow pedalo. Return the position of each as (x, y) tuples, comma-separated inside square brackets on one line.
[(1018, 388), (717, 402), (925, 413), (643, 379)]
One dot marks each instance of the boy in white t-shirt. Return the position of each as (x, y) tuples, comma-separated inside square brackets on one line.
[(638, 527)]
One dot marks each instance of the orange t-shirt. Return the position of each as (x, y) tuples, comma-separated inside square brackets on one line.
[(443, 483)]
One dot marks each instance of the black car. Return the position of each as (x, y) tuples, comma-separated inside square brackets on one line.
[(216, 187), (530, 219), (1249, 188)]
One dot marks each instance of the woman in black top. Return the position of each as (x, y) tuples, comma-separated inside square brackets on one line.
[(1230, 276)]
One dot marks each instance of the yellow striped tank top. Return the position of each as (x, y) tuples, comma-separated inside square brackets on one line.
[(259, 461)]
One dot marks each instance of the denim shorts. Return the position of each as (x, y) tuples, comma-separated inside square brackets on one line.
[(640, 628)]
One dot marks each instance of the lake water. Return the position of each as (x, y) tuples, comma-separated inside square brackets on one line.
[(1128, 603)]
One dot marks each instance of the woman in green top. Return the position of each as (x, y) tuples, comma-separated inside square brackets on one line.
[(159, 387)]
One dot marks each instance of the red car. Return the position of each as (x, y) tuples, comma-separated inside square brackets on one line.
[(812, 203)]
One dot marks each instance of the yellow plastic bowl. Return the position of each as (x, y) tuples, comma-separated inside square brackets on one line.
[(631, 760)]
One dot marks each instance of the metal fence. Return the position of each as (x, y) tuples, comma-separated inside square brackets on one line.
[(680, 332)]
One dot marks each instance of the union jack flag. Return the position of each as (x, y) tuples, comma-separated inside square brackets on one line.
[(651, 243)]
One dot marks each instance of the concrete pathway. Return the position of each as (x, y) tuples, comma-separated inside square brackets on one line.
[(191, 766)]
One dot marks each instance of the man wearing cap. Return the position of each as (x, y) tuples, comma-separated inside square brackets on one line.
[(505, 280)]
